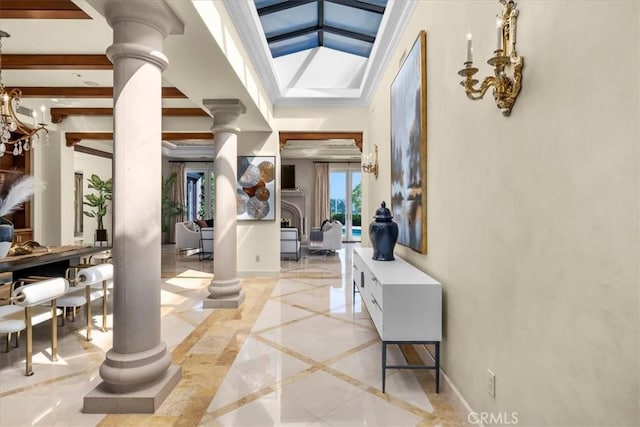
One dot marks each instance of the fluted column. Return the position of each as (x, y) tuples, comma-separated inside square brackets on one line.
[(225, 289), (137, 373)]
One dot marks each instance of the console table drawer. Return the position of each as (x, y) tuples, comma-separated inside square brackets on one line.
[(404, 303), (375, 311)]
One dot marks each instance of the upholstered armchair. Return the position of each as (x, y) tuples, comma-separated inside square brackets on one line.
[(187, 235), (326, 238), (207, 237), (289, 242)]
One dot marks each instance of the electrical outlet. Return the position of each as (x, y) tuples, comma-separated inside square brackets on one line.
[(257, 258), (491, 384)]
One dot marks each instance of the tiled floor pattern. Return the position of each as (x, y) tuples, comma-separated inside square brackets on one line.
[(300, 351)]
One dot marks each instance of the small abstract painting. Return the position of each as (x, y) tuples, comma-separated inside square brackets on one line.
[(409, 148), (256, 188)]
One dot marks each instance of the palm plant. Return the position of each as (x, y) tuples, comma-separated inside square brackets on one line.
[(170, 208), (98, 201)]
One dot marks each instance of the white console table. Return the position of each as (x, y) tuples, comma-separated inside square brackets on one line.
[(404, 303)]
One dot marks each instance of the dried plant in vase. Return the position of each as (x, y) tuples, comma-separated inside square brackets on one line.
[(15, 189)]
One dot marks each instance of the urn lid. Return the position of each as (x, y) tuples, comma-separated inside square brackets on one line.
[(383, 214)]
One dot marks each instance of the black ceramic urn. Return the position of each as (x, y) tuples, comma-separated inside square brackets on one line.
[(383, 233)]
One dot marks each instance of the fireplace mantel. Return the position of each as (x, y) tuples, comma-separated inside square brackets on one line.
[(293, 206)]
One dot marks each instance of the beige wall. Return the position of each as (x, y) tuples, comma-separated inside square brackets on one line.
[(327, 119), (259, 241), (533, 219), (47, 209), (88, 164)]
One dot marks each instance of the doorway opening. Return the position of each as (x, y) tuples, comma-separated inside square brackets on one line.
[(200, 194), (345, 199)]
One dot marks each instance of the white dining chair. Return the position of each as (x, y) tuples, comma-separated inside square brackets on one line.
[(30, 299)]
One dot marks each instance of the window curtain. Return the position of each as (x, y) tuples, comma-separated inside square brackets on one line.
[(177, 195), (321, 194)]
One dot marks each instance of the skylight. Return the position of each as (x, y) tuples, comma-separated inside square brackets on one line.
[(348, 26)]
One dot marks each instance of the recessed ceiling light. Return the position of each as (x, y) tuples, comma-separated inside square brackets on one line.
[(78, 75), (54, 99)]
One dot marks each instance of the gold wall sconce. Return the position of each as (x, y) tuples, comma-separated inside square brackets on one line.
[(370, 162), (505, 88)]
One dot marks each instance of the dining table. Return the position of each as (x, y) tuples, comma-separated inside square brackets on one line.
[(50, 261)]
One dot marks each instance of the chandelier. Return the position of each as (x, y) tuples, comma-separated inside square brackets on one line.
[(12, 130)]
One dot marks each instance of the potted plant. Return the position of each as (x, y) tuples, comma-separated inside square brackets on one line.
[(99, 203), (15, 189), (170, 208)]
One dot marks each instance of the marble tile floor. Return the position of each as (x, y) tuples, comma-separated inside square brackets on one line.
[(298, 352)]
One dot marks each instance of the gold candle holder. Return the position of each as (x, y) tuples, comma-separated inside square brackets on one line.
[(506, 58)]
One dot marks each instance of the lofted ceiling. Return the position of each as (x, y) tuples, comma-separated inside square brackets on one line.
[(56, 56)]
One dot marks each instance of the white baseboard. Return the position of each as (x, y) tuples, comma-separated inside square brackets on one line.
[(447, 387), (256, 273)]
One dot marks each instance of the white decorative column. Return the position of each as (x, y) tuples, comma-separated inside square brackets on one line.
[(137, 373), (225, 289)]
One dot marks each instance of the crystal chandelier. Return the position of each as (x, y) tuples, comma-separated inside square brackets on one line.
[(12, 130)]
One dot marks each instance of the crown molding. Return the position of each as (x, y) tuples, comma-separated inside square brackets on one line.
[(397, 19), (320, 136), (247, 23)]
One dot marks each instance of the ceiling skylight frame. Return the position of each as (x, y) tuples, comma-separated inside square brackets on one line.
[(244, 15), (321, 26)]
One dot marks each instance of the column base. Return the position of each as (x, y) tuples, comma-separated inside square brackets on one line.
[(145, 401), (226, 302)]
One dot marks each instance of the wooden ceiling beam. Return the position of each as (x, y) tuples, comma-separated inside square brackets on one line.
[(92, 151), (187, 136), (74, 138), (84, 92), (59, 114), (55, 62), (320, 136), (40, 9)]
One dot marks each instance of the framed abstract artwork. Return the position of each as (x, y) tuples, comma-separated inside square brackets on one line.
[(409, 147), (256, 188)]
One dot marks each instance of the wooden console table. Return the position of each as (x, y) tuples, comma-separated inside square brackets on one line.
[(404, 303), (47, 262)]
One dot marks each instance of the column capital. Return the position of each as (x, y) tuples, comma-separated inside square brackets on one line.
[(133, 50), (225, 113), (155, 13)]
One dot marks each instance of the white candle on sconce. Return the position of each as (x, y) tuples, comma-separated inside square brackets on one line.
[(469, 47), (512, 35), (43, 109), (34, 114), (499, 33)]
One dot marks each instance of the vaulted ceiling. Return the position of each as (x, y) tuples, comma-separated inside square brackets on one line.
[(55, 55)]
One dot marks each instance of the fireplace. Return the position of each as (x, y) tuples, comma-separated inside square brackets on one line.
[(292, 212), (292, 207)]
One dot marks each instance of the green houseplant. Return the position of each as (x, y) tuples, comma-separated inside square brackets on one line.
[(170, 208), (98, 201)]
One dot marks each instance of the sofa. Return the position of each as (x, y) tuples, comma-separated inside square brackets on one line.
[(327, 237)]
